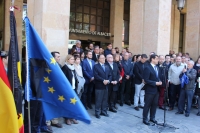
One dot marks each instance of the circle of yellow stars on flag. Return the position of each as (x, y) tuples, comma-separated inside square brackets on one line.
[(51, 90), (73, 100), (53, 61), (48, 70), (46, 79), (61, 98)]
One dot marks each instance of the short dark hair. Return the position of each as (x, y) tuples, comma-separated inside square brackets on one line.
[(187, 54), (90, 43), (144, 56), (109, 44), (167, 55), (101, 55), (54, 53), (153, 56), (76, 56), (137, 56), (86, 52)]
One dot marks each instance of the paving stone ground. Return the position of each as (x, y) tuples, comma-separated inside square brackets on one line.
[(128, 120)]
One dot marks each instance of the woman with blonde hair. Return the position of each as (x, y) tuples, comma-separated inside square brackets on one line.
[(69, 71)]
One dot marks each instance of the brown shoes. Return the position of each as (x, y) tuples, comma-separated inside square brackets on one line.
[(74, 121), (68, 122)]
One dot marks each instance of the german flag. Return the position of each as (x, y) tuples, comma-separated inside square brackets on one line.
[(14, 71), (8, 114)]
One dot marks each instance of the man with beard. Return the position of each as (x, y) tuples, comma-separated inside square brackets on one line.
[(175, 85), (87, 66)]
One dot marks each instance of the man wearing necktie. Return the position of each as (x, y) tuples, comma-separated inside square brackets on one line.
[(102, 78), (113, 86), (152, 82), (95, 54), (87, 66)]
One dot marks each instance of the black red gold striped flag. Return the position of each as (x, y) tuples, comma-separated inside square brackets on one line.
[(14, 71)]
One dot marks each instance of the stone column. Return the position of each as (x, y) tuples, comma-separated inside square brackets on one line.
[(157, 22), (175, 29), (116, 22), (51, 20), (136, 26), (192, 43), (18, 17)]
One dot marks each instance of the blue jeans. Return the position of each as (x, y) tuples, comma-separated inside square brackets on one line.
[(185, 94), (173, 92)]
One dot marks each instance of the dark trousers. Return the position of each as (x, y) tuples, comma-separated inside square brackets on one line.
[(112, 95), (161, 96), (185, 94), (132, 92), (37, 117), (125, 91), (174, 91), (198, 103), (151, 101), (87, 94), (101, 99)]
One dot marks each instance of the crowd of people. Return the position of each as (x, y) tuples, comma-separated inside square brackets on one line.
[(109, 77)]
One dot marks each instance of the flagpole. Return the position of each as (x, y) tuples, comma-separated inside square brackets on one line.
[(27, 89)]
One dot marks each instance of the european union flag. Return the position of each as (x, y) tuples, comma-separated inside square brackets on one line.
[(46, 81), (184, 80)]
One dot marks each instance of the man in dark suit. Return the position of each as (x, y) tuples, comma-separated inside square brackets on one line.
[(95, 54), (126, 82), (78, 47), (108, 50), (113, 86), (87, 66), (152, 81), (139, 81), (102, 77)]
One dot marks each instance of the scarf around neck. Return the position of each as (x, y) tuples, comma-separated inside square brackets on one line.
[(71, 67)]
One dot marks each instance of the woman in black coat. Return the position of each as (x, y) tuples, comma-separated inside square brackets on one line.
[(69, 71), (197, 91)]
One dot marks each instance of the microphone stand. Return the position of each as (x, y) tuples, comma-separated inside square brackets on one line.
[(164, 125)]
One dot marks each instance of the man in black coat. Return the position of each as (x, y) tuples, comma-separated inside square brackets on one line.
[(108, 50), (126, 80), (95, 54), (102, 77), (113, 86), (139, 81), (152, 81)]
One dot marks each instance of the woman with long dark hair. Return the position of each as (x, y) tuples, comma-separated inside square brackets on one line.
[(79, 72)]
